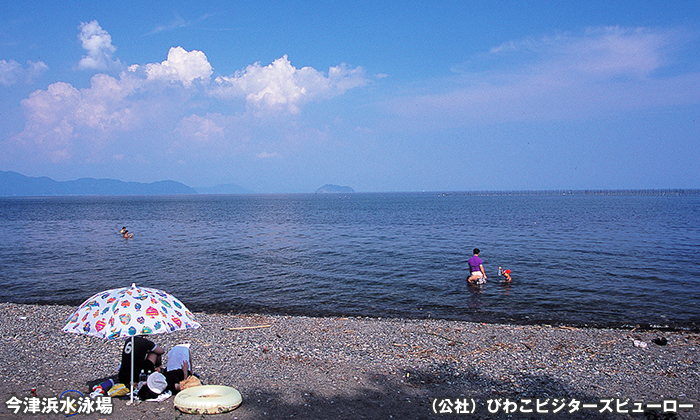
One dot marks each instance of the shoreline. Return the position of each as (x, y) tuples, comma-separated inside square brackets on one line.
[(356, 367), (687, 326)]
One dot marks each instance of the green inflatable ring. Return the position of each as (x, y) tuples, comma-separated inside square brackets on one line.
[(208, 399)]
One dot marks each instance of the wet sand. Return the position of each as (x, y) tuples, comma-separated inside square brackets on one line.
[(364, 368)]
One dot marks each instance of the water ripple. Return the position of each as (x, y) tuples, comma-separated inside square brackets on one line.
[(614, 260)]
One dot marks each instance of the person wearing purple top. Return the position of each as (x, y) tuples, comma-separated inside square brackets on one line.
[(476, 269)]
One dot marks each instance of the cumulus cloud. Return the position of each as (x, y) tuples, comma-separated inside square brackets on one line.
[(98, 44), (62, 119), (181, 66), (281, 86), (65, 123), (11, 72), (201, 129), (47, 114)]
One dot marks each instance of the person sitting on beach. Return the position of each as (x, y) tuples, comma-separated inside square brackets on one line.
[(476, 269), (155, 385), (147, 357), (177, 375), (505, 274), (178, 371)]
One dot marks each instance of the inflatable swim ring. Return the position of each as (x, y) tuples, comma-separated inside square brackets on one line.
[(208, 399)]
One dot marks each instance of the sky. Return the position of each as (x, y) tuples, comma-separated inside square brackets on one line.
[(381, 96)]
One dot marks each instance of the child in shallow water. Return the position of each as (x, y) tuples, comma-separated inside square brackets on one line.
[(505, 274)]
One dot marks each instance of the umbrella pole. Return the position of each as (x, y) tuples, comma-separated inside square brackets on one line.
[(132, 369)]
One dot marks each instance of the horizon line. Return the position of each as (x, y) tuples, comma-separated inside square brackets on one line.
[(548, 192)]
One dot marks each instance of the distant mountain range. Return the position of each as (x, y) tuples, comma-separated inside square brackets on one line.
[(18, 185), (14, 184)]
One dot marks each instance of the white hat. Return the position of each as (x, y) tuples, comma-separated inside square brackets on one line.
[(156, 382)]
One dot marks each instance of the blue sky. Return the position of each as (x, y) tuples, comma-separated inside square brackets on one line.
[(380, 96)]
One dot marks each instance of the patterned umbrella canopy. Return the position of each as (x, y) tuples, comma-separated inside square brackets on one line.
[(130, 311), (127, 312)]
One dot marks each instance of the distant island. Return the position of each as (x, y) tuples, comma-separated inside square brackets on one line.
[(329, 188), (18, 185)]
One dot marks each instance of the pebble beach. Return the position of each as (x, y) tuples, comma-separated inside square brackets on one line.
[(368, 368)]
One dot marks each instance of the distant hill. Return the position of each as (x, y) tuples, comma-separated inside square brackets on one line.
[(223, 189), (330, 188), (14, 184)]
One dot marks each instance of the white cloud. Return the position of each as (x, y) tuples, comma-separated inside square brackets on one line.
[(36, 69), (98, 44), (181, 66), (614, 51), (137, 110), (600, 52), (281, 86), (177, 23), (200, 129), (11, 72), (266, 155), (605, 70), (47, 114), (62, 119)]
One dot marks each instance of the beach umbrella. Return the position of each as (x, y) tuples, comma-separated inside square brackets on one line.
[(130, 311)]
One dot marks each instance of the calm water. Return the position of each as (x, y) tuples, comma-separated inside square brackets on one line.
[(577, 259)]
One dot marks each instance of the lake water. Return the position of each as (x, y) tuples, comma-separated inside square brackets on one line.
[(613, 260)]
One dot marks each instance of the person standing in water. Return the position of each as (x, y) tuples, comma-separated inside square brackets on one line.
[(476, 269)]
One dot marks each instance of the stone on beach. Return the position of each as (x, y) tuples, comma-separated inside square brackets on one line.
[(304, 367)]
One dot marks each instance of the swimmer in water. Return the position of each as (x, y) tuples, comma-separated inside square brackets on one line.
[(123, 230), (128, 235), (505, 274)]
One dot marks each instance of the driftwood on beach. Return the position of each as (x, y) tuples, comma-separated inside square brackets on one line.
[(255, 327)]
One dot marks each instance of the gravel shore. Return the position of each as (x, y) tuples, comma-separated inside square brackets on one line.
[(363, 368)]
